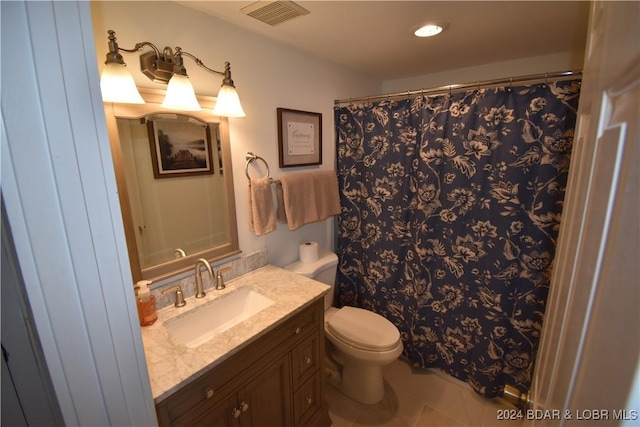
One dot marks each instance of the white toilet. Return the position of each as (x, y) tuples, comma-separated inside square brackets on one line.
[(360, 342)]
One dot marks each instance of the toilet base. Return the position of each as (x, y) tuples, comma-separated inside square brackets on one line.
[(363, 384), (332, 371)]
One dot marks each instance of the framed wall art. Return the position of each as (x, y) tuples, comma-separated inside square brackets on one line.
[(299, 138), (180, 148)]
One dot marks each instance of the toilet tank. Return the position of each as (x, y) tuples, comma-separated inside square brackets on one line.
[(323, 270)]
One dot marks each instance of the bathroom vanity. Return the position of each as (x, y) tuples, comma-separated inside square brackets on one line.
[(267, 370)]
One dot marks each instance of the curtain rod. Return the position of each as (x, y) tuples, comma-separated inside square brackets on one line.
[(531, 79)]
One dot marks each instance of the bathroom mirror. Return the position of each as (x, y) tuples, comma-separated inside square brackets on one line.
[(173, 171)]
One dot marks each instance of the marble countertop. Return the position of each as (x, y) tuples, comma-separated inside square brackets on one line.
[(172, 365)]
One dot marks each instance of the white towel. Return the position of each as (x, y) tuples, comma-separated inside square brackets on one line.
[(261, 212)]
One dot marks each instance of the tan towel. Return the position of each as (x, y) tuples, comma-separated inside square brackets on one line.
[(304, 198), (327, 197), (297, 200), (281, 215), (262, 215)]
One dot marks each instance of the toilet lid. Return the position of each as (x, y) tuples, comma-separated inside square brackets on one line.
[(363, 329)]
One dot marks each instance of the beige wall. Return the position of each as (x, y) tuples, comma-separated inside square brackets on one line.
[(567, 61), (267, 75)]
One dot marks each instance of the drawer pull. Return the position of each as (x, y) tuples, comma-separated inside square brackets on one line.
[(308, 400), (208, 393), (244, 406), (236, 413), (297, 330), (307, 360)]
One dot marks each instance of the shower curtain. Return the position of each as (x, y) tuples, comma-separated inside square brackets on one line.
[(451, 206)]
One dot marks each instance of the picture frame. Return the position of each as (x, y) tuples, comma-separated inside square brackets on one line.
[(219, 150), (299, 138), (180, 148)]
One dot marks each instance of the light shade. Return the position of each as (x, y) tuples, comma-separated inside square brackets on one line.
[(117, 85), (180, 95), (228, 103)]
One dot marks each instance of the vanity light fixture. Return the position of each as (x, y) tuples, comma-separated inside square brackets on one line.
[(117, 84), (428, 30)]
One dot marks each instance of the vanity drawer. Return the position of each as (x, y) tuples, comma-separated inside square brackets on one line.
[(301, 325), (203, 393), (305, 359), (306, 399)]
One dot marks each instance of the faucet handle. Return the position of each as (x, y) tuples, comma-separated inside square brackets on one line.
[(180, 302), (219, 279)]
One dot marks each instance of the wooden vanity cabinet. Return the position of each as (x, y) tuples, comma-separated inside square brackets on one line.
[(278, 380), (262, 402)]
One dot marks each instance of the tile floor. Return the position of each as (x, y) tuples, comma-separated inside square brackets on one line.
[(418, 399)]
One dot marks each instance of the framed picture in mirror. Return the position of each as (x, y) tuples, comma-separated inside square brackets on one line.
[(156, 222), (180, 148)]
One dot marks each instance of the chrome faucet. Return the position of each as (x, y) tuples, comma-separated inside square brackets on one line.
[(199, 290)]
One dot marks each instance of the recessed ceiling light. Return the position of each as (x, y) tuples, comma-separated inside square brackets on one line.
[(428, 30)]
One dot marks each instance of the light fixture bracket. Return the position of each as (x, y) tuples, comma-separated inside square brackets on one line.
[(157, 69)]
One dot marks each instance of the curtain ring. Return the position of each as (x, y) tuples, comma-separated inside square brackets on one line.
[(510, 83), (546, 78)]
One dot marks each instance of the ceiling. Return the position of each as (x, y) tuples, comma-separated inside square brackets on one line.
[(376, 37)]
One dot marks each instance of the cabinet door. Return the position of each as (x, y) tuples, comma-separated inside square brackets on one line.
[(266, 400)]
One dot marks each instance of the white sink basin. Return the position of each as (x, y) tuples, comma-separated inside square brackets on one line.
[(202, 323)]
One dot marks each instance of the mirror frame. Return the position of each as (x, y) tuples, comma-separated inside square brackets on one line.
[(153, 99)]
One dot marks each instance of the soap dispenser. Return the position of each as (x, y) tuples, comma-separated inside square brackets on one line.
[(146, 303)]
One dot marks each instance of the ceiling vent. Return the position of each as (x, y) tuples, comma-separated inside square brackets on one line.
[(274, 12)]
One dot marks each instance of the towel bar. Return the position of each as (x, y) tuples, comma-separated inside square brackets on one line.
[(250, 157)]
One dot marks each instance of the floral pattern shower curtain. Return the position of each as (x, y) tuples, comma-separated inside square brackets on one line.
[(451, 207)]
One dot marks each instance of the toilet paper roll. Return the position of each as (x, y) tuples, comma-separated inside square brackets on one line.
[(308, 251)]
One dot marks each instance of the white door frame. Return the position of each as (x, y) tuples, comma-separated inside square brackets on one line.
[(590, 345), (59, 189)]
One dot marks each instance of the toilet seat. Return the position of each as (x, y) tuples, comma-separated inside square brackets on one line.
[(363, 329)]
